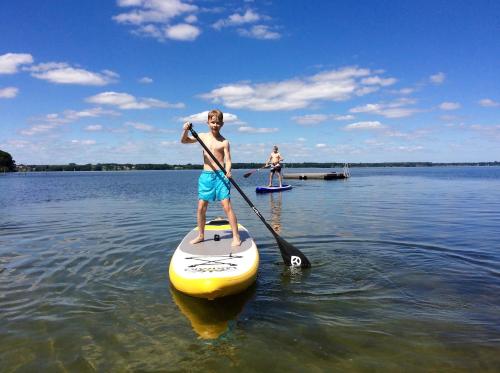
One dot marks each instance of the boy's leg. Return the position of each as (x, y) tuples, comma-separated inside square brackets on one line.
[(280, 178), (201, 218), (270, 179), (228, 209)]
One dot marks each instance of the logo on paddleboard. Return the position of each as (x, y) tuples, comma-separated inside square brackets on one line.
[(210, 269), (296, 261)]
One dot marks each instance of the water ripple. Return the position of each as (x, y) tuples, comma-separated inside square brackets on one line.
[(398, 261)]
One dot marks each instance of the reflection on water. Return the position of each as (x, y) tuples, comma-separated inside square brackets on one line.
[(210, 318), (275, 203)]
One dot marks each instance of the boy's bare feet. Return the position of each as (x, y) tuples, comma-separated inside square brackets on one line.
[(270, 185), (197, 240), (236, 242)]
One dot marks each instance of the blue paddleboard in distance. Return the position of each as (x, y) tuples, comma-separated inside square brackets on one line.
[(266, 189)]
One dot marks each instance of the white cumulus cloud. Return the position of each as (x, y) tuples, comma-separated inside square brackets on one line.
[(8, 92), (126, 101), (366, 125), (409, 148), (191, 19), (437, 78), (152, 11), (488, 102), (39, 128), (94, 128), (69, 116), (406, 91), (247, 129), (333, 85), (153, 18), (449, 106), (83, 142), (10, 62), (203, 117), (237, 19), (377, 80), (262, 32), (396, 109), (54, 120), (141, 126), (309, 119), (62, 73), (182, 32)]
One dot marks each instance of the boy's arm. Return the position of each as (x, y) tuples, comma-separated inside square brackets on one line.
[(185, 138), (227, 159)]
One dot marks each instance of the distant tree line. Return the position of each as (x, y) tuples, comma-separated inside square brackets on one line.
[(7, 164), (189, 166), (106, 167)]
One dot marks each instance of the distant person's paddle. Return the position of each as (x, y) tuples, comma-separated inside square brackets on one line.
[(290, 254), (251, 172)]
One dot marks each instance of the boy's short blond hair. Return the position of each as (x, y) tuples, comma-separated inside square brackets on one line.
[(217, 113)]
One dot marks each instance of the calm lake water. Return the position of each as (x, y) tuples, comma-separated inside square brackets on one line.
[(405, 276)]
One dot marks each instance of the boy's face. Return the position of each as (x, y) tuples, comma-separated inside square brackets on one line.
[(214, 123)]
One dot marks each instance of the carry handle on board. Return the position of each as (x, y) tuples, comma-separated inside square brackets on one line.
[(290, 254)]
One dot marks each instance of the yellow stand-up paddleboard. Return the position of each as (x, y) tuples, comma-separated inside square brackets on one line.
[(213, 268)]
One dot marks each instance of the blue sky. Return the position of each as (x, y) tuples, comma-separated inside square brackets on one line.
[(329, 81)]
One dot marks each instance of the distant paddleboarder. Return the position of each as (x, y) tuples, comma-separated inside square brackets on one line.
[(274, 162), (213, 185)]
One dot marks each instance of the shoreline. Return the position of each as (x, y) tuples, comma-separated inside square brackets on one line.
[(167, 167)]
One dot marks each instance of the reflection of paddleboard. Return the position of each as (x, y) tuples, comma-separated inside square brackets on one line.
[(213, 268), (266, 189), (209, 319)]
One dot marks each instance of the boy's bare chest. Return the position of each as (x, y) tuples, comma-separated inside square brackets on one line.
[(215, 145)]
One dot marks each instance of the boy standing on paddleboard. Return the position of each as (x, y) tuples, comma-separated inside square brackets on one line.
[(275, 162), (213, 185)]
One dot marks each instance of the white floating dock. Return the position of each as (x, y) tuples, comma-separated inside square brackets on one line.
[(321, 176)]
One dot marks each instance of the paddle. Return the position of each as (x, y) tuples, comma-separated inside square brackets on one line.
[(251, 172), (290, 254)]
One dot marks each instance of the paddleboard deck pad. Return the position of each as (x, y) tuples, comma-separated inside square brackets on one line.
[(213, 268), (266, 189)]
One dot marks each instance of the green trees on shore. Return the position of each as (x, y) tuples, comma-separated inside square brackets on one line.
[(105, 167), (7, 164)]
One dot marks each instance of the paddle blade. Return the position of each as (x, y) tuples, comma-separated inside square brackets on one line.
[(248, 174), (291, 255)]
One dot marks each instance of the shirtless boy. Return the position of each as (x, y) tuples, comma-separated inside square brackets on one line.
[(274, 161), (213, 185)]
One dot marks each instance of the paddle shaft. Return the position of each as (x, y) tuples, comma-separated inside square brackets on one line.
[(251, 172)]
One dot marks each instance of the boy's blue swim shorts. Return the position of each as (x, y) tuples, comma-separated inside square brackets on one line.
[(213, 186)]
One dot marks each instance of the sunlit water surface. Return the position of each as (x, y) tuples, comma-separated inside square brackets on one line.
[(405, 276)]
